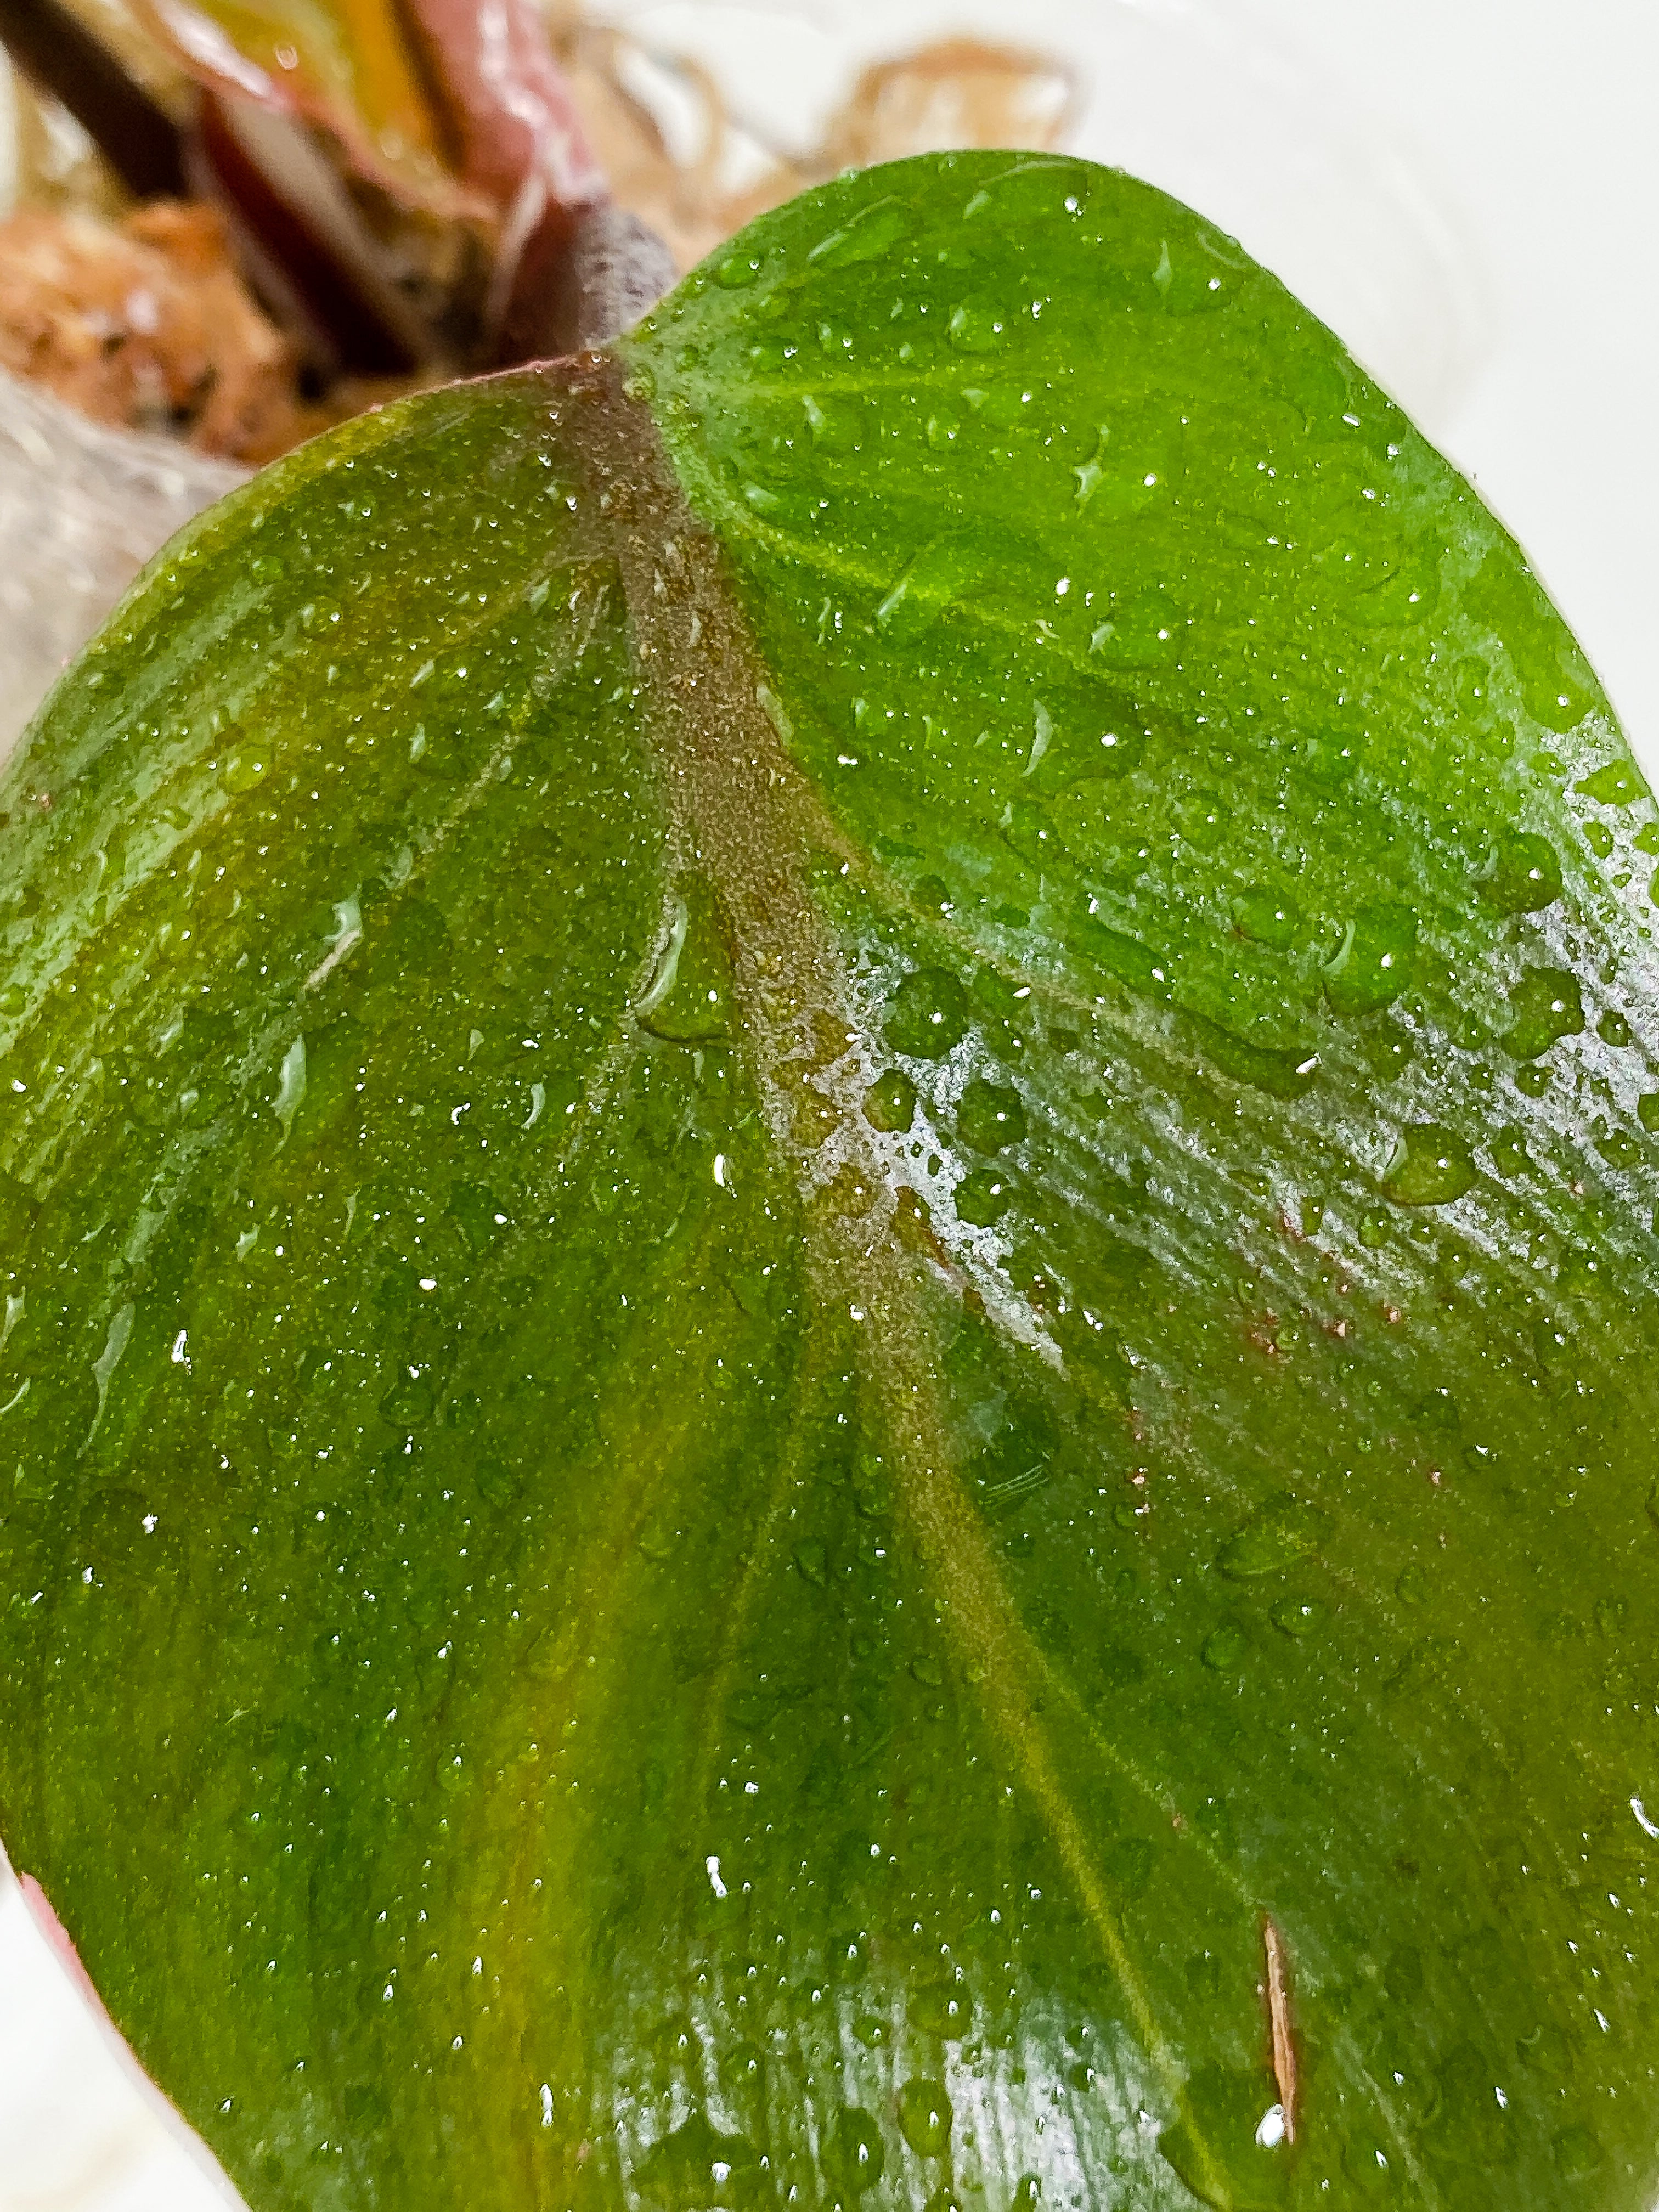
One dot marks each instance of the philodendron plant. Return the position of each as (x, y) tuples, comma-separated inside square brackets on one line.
[(830, 1350)]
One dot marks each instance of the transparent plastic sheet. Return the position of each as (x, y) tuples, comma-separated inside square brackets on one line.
[(82, 509)]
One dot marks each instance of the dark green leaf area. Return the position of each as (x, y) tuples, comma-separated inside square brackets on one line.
[(1250, 686), (722, 1467), (1197, 718)]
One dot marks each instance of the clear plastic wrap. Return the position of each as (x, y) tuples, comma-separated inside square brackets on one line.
[(82, 509)]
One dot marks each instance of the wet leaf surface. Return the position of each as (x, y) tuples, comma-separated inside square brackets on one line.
[(830, 1348)]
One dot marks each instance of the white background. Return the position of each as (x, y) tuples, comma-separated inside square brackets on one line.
[(1536, 118), (1468, 192)]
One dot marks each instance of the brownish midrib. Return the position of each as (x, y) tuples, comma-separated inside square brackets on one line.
[(747, 816)]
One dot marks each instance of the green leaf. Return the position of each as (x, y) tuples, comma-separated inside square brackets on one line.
[(829, 1293)]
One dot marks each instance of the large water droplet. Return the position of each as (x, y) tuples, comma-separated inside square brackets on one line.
[(1618, 783), (929, 1014), (1431, 1167), (1507, 1150), (1577, 2153), (1298, 1616), (689, 998), (853, 2153), (1037, 188), (1281, 1532), (945, 570), (1546, 1004), (1527, 876), (941, 2008), (890, 1104), (697, 2166), (983, 1198), (1200, 275), (1139, 631), (1373, 963), (925, 2117), (833, 427), (1412, 1587), (990, 1115), (247, 769), (977, 326), (1267, 918), (872, 233)]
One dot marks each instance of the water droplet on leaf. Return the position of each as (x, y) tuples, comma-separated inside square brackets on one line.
[(853, 2153), (890, 1104), (990, 1115), (1298, 1616), (245, 771), (1528, 874), (1618, 783), (689, 998), (983, 1198), (1546, 1004), (1279, 1533), (1373, 964), (929, 1017), (925, 2117), (1267, 918), (1431, 1167), (874, 231), (1577, 2154), (977, 326), (697, 2166), (946, 569)]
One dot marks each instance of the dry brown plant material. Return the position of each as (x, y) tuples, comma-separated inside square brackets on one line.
[(147, 326), (956, 93), (146, 323), (683, 203)]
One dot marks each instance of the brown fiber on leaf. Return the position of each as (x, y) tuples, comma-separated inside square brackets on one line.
[(1278, 2013)]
